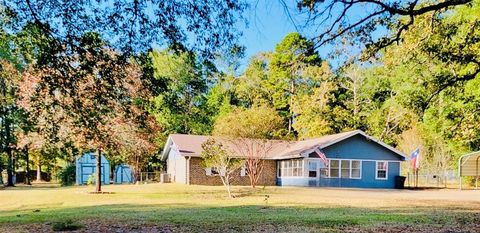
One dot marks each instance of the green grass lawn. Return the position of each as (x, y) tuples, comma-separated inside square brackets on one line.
[(170, 207)]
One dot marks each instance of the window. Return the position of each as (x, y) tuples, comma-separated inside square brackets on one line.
[(292, 167), (345, 164), (279, 166), (312, 168), (344, 168), (295, 167), (243, 170), (381, 170), (334, 168), (215, 171), (356, 168), (212, 171)]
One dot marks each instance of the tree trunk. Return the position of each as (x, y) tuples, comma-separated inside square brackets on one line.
[(98, 181), (226, 184), (10, 168), (27, 166), (9, 153), (39, 171)]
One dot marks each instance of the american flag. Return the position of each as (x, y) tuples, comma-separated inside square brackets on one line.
[(415, 159), (322, 157)]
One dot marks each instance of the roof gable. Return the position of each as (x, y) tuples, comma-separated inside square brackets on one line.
[(361, 147), (368, 137)]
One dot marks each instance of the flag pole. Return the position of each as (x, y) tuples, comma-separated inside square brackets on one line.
[(416, 178)]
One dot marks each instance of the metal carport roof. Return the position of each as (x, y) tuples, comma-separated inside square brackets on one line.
[(469, 165)]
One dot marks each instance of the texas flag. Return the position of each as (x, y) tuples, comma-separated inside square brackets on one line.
[(415, 159)]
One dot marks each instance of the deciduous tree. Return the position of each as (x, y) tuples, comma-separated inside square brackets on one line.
[(248, 131), (216, 156)]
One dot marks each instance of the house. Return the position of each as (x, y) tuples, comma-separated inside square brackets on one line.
[(354, 159)]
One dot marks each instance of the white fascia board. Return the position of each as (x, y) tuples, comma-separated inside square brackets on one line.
[(166, 149)]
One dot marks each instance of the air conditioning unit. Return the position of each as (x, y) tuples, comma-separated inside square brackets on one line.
[(164, 178)]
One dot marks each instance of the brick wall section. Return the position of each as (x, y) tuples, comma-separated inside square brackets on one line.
[(199, 177)]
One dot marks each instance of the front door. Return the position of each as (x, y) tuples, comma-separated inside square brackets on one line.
[(313, 172)]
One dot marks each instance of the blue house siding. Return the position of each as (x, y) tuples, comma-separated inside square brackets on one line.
[(366, 181), (356, 147), (368, 177)]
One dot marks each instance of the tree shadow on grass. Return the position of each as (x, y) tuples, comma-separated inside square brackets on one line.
[(243, 217)]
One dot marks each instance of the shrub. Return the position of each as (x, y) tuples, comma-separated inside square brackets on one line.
[(66, 176), (469, 180), (91, 179), (66, 225)]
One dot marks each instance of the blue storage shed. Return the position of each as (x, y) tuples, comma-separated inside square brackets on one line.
[(123, 174), (86, 166)]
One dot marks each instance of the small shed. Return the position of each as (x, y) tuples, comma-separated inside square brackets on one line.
[(86, 166), (123, 174), (469, 165)]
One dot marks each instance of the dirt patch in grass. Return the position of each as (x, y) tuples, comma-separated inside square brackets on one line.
[(420, 228), (118, 227)]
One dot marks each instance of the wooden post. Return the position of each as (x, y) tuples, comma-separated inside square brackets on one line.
[(460, 183), (445, 179), (408, 179), (98, 183), (27, 166), (416, 178)]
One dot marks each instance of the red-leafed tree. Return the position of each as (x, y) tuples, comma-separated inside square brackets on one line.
[(84, 97)]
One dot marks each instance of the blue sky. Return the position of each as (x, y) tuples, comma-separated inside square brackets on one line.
[(267, 26), (269, 23)]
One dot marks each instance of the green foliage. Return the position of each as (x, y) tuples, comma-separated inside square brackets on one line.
[(91, 179), (181, 107), (260, 122), (278, 79), (470, 180), (67, 175), (287, 77), (204, 26), (216, 156)]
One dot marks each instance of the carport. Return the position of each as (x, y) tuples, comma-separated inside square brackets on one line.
[(469, 165)]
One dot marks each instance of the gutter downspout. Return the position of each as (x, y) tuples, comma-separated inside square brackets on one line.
[(187, 170)]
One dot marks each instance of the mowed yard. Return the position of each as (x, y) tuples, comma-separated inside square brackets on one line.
[(180, 208)]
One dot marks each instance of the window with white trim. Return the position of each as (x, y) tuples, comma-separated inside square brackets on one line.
[(243, 170), (293, 167), (345, 168), (356, 169), (215, 171), (345, 164), (334, 166), (381, 171)]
